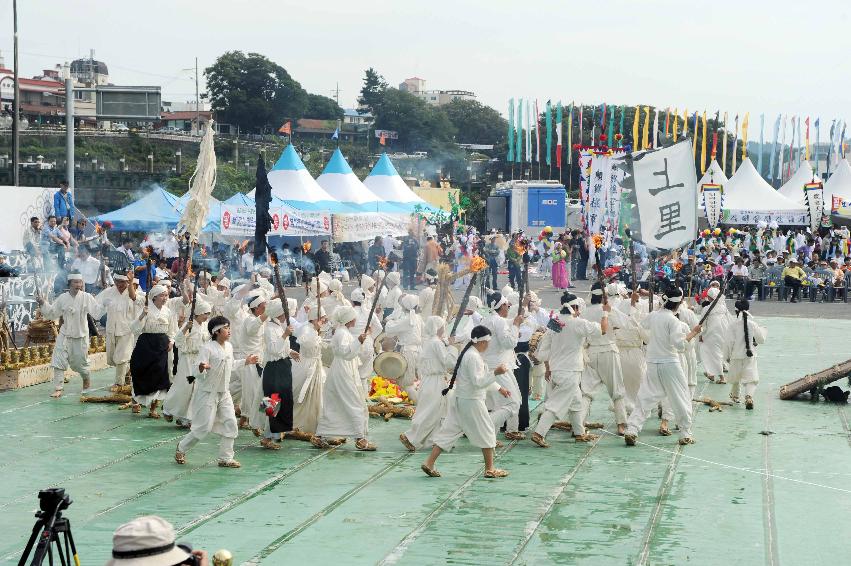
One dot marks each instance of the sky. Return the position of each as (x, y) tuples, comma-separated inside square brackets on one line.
[(757, 56)]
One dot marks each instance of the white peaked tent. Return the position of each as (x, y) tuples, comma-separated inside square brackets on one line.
[(749, 198), (386, 183), (839, 184), (292, 184), (713, 174), (339, 181), (793, 189)]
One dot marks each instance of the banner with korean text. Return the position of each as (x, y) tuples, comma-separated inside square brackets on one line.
[(239, 220), (366, 226)]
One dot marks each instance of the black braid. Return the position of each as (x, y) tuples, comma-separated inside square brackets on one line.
[(455, 370), (747, 337)]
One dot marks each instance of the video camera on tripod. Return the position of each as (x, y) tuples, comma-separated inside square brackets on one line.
[(49, 525)]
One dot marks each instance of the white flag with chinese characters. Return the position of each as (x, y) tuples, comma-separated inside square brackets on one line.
[(665, 184)]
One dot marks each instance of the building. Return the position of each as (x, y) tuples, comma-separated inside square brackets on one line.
[(416, 86), (184, 120), (355, 118), (324, 129), (188, 106)]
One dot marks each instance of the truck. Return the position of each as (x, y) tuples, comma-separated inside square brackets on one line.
[(530, 205)]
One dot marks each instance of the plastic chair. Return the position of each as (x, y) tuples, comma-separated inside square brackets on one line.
[(774, 282)]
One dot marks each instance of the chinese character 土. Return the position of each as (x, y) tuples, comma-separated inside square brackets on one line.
[(667, 184), (669, 220)]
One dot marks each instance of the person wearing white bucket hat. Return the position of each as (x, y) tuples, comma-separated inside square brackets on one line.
[(72, 343), (150, 541), (344, 409)]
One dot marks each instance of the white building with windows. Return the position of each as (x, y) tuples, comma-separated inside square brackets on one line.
[(416, 86)]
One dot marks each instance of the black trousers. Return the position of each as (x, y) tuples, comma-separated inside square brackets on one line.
[(521, 374), (793, 284)]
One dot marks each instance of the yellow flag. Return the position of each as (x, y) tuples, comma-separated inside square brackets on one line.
[(703, 146), (685, 123), (724, 147), (635, 121), (694, 138), (745, 137), (676, 122), (645, 144)]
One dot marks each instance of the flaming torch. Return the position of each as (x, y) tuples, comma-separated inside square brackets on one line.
[(382, 264), (477, 264)]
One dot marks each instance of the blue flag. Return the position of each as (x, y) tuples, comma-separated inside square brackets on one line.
[(336, 134), (759, 157)]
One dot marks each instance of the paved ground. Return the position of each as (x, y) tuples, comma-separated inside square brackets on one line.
[(736, 497)]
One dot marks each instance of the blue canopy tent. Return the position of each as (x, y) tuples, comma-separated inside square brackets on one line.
[(158, 211), (240, 199)]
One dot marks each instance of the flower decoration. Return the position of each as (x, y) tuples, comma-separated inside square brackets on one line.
[(478, 264), (618, 137), (603, 137), (716, 232)]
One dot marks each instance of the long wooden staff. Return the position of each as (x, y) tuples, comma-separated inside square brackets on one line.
[(375, 300), (148, 279), (714, 302), (465, 300)]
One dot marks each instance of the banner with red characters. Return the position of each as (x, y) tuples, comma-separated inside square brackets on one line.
[(239, 220)]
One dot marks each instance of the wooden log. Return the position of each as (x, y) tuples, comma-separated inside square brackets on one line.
[(815, 380)]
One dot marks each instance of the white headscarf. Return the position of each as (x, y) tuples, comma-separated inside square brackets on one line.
[(202, 307), (157, 290), (336, 288), (357, 295), (432, 325), (343, 315), (393, 279), (366, 282), (314, 314), (409, 304)]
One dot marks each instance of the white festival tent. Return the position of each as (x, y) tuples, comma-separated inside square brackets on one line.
[(292, 183), (793, 189), (713, 174), (386, 183), (342, 184), (748, 198), (839, 184)]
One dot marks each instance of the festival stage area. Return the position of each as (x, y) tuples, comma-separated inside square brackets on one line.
[(739, 496)]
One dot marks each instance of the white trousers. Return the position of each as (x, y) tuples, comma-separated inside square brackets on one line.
[(118, 352), (212, 412), (536, 376), (665, 379), (252, 394), (70, 353), (634, 368), (408, 381), (505, 410), (743, 372), (564, 398), (604, 368), (431, 410)]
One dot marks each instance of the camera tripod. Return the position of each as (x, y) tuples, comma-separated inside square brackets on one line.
[(50, 525)]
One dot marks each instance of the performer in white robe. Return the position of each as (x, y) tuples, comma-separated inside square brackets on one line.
[(335, 297), (604, 363), (504, 410), (538, 318), (467, 414), (563, 357), (156, 329), (236, 312), (344, 409), (407, 326), (189, 340), (665, 376), (713, 338), (469, 320), (367, 353), (427, 294), (742, 341), (72, 344), (630, 341), (120, 304), (212, 408), (310, 299), (688, 360), (308, 374), (436, 359), (277, 378), (390, 302)]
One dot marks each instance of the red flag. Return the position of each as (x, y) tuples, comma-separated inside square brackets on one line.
[(382, 140), (714, 144), (287, 129)]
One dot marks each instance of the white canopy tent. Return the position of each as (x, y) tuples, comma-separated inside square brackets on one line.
[(386, 183), (793, 189), (748, 199), (339, 181), (713, 174), (839, 184)]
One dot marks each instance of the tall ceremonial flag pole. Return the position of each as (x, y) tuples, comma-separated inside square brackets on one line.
[(735, 144), (703, 145), (745, 136), (815, 147), (724, 148), (656, 129), (807, 140), (510, 156), (620, 125), (791, 145), (685, 123), (549, 144), (636, 144), (645, 135), (529, 137), (830, 147), (772, 157), (800, 147), (518, 146), (611, 134), (676, 125), (559, 118), (759, 157), (782, 144), (581, 126), (667, 121)]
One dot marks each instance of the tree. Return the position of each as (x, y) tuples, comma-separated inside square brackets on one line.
[(372, 92), (476, 123), (322, 108), (253, 92), (420, 126)]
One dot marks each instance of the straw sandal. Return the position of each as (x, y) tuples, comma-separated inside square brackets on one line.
[(495, 473), (499, 444), (721, 381), (257, 432), (514, 436), (269, 444), (663, 429), (710, 377), (136, 408), (630, 439), (685, 441), (56, 394), (319, 442), (180, 457), (539, 440), (430, 472), (748, 402), (407, 443), (230, 464), (168, 418), (336, 441), (734, 399), (587, 437), (365, 445)]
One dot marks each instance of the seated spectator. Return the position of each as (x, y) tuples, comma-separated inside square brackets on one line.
[(150, 541), (756, 274), (740, 276), (7, 270), (793, 277)]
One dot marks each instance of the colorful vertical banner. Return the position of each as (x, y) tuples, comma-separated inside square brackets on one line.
[(656, 128), (759, 157), (620, 126), (807, 139), (676, 125), (636, 143), (549, 144), (537, 133), (772, 157), (528, 132), (645, 135), (510, 157), (782, 144), (610, 141), (518, 146), (735, 144), (703, 145)]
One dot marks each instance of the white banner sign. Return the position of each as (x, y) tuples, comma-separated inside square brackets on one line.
[(713, 202), (814, 193), (366, 226), (752, 217), (237, 220), (666, 194), (301, 222)]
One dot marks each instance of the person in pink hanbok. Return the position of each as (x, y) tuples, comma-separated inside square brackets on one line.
[(560, 278)]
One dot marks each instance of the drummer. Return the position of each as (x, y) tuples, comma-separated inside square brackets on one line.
[(408, 327)]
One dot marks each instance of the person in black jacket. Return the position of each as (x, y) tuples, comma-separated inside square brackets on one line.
[(323, 258)]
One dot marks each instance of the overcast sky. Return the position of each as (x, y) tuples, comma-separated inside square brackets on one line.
[(745, 55)]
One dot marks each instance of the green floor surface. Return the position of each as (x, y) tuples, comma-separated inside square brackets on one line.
[(735, 497)]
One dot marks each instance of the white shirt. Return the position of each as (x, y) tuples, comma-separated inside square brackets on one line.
[(605, 342), (247, 262), (88, 268), (564, 350), (504, 336), (73, 311), (474, 378), (739, 270), (120, 310), (221, 361), (735, 346), (667, 336)]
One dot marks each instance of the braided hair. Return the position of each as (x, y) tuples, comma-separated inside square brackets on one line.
[(742, 307), (477, 332)]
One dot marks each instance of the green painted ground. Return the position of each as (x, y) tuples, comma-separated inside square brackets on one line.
[(711, 503)]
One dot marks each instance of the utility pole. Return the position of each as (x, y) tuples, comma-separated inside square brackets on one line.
[(69, 132), (197, 101), (336, 94), (16, 105)]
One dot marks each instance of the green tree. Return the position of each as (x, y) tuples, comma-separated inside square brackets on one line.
[(372, 92), (253, 92), (322, 108), (475, 122), (420, 126)]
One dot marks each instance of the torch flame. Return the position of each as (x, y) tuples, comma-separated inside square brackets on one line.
[(243, 246), (478, 264), (203, 251), (305, 247), (598, 240), (382, 262)]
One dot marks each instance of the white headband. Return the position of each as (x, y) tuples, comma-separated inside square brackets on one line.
[(118, 277), (571, 303), (217, 328), (75, 277), (485, 338), (499, 303), (257, 301), (672, 299), (596, 292)]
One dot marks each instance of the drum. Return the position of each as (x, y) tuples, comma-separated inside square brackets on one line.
[(384, 343), (534, 342), (390, 365)]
